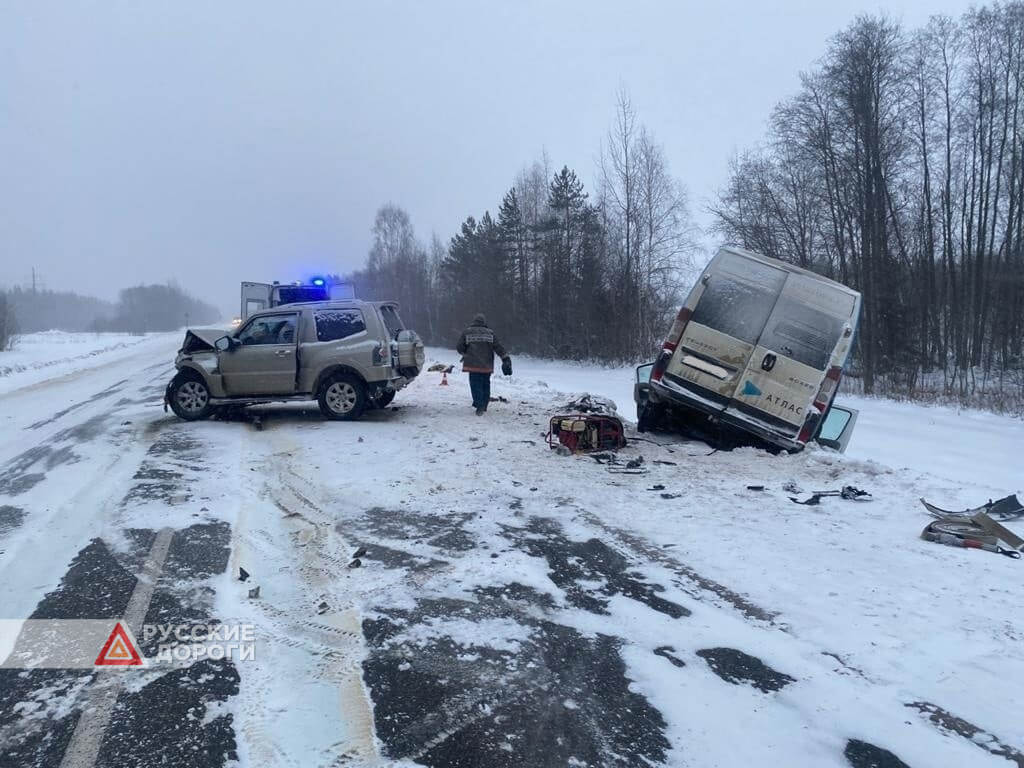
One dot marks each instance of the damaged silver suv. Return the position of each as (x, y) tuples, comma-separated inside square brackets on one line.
[(347, 355)]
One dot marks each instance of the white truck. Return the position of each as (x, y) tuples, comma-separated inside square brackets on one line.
[(259, 296)]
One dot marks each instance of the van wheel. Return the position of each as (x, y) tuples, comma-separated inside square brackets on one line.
[(189, 397), (342, 397)]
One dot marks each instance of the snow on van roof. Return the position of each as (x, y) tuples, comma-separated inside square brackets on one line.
[(744, 253)]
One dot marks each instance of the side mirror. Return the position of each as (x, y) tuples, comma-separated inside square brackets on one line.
[(223, 344)]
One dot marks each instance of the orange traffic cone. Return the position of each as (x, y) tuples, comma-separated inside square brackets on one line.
[(444, 379)]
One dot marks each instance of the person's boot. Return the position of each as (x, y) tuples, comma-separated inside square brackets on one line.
[(481, 411)]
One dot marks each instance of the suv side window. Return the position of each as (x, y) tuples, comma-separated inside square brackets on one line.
[(334, 324), (269, 329)]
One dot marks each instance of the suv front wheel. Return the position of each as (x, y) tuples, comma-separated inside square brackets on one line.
[(189, 397), (342, 397)]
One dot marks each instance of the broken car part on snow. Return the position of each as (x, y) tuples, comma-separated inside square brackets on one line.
[(847, 492), (976, 528)]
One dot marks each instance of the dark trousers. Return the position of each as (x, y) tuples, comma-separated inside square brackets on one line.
[(480, 386)]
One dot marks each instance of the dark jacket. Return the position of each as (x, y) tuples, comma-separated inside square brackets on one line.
[(478, 345)]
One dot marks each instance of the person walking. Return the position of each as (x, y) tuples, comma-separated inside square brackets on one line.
[(478, 345)]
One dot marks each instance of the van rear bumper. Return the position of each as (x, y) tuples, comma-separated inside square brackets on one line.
[(695, 398)]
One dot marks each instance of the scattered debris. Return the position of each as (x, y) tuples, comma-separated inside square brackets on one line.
[(848, 492), (356, 563), (792, 487), (242, 574), (657, 487), (665, 462), (1007, 508), (359, 553), (582, 433), (755, 487), (587, 403), (441, 368), (977, 532), (254, 593), (499, 399), (671, 495), (322, 608)]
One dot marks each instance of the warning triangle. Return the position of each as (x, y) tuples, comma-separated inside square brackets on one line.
[(119, 650)]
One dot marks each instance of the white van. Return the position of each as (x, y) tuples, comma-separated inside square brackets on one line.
[(760, 346)]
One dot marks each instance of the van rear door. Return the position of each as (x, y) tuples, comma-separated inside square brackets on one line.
[(737, 297), (255, 297), (796, 349)]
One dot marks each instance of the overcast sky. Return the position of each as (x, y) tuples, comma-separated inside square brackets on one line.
[(217, 142)]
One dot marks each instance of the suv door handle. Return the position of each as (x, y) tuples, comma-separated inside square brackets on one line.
[(768, 362), (283, 352)]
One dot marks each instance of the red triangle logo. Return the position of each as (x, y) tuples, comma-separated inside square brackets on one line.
[(119, 650)]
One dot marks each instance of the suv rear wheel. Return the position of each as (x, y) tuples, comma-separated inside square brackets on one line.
[(189, 397), (342, 397)]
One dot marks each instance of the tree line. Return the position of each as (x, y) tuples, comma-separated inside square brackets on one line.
[(139, 309), (898, 169), (558, 270)]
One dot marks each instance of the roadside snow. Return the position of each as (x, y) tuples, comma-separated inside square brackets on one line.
[(40, 356)]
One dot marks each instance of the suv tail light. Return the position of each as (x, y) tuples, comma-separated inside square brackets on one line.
[(828, 388), (674, 335)]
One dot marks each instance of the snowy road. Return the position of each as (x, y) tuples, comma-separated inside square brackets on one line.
[(440, 589)]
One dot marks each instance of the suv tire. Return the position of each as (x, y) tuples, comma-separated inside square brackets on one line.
[(342, 397), (189, 397)]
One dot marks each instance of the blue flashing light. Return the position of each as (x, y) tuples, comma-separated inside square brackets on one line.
[(318, 281)]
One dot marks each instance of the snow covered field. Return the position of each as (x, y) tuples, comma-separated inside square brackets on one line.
[(441, 589), (40, 356)]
